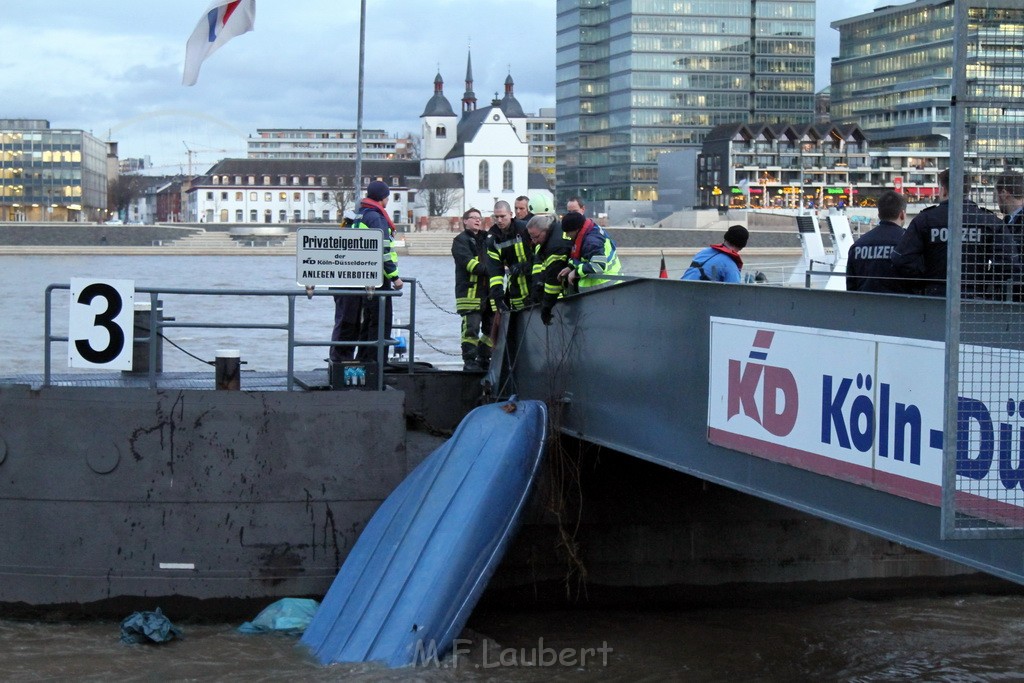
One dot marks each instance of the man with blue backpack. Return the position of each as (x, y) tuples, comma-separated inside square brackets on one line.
[(720, 262)]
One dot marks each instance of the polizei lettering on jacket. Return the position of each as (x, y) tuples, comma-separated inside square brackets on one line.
[(873, 252), (972, 235), (361, 243)]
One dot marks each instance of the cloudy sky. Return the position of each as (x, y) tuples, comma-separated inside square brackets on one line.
[(114, 67)]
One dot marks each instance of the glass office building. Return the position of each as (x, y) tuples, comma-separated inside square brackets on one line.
[(49, 174), (893, 76), (637, 78)]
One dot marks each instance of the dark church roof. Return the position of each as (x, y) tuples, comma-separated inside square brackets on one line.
[(438, 105), (509, 104), (469, 125)]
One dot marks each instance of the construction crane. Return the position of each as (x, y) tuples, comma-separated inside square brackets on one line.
[(191, 152)]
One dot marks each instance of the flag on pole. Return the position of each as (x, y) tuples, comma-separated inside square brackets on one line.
[(664, 271), (222, 22)]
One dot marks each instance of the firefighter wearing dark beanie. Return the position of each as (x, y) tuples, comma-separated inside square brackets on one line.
[(378, 190)]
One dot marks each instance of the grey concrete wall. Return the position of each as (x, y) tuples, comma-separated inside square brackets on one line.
[(263, 492), (88, 234)]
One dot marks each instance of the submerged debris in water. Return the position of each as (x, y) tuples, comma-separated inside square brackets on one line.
[(148, 627)]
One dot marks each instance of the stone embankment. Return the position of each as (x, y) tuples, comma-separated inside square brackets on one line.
[(199, 240)]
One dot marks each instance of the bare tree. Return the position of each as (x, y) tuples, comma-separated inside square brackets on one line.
[(124, 190), (439, 192), (339, 198)]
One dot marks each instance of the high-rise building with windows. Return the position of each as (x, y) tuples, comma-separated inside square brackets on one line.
[(893, 76), (637, 78), (51, 174), (540, 136), (321, 143)]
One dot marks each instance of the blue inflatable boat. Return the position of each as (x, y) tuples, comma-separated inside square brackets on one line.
[(420, 566)]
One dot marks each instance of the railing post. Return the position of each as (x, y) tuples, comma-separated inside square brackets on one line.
[(411, 342), (291, 343), (154, 334), (381, 340), (47, 330)]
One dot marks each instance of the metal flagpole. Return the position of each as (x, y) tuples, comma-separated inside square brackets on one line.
[(357, 182)]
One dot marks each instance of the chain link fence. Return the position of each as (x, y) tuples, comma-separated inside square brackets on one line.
[(983, 443)]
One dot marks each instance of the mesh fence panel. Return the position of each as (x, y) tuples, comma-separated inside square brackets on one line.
[(983, 481)]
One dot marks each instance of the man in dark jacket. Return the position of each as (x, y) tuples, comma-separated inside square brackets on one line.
[(522, 209), (347, 312), (472, 284), (509, 253), (373, 215), (869, 264), (989, 255), (1010, 195)]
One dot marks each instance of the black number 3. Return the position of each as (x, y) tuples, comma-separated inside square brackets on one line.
[(104, 320)]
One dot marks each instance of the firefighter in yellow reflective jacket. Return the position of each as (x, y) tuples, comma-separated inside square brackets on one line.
[(550, 254), (551, 251), (472, 284), (592, 255), (373, 215), (510, 254)]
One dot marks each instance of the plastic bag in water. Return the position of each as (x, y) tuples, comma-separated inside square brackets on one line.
[(287, 615), (148, 627)]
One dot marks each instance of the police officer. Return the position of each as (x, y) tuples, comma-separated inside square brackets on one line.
[(989, 257), (869, 266), (1010, 195)]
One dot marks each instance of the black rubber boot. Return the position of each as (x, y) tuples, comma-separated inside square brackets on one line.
[(469, 358)]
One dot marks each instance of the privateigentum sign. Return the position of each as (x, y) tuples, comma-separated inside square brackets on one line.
[(866, 409), (339, 257)]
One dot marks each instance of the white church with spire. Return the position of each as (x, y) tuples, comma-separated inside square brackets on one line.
[(476, 158)]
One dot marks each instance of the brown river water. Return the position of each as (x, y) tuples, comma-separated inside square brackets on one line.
[(952, 638)]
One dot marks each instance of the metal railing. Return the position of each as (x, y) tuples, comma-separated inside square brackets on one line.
[(157, 324)]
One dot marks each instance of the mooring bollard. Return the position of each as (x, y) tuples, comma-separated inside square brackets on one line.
[(229, 369), (140, 349)]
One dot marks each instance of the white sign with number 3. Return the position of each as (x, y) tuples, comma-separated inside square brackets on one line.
[(102, 324)]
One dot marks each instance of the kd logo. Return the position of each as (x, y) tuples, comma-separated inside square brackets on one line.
[(779, 400)]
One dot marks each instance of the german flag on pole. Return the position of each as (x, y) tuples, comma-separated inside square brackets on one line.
[(664, 271)]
